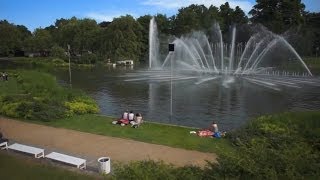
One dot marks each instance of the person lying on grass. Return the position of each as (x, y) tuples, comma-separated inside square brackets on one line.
[(212, 131)]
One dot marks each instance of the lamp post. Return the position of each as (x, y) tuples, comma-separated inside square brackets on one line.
[(171, 49), (69, 67)]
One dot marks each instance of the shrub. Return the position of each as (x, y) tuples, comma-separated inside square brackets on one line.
[(35, 95), (81, 106), (284, 146), (88, 58), (58, 52)]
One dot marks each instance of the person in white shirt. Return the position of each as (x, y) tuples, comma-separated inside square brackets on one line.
[(131, 116), (125, 115)]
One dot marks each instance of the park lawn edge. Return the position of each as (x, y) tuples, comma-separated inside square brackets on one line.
[(149, 132)]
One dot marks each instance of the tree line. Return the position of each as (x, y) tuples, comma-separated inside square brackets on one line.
[(127, 38)]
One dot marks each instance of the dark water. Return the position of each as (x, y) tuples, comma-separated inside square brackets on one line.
[(193, 105)]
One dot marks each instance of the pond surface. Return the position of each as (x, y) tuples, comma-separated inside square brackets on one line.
[(192, 105)]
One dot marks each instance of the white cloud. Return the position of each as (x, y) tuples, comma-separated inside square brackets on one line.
[(100, 16), (245, 5)]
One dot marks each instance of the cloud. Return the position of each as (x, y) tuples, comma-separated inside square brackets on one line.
[(245, 5), (100, 16)]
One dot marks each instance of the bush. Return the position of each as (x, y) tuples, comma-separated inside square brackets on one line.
[(88, 58), (156, 170), (35, 95), (81, 106), (58, 52), (284, 146)]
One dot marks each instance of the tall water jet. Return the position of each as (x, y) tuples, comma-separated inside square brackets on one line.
[(153, 45), (231, 59), (221, 45)]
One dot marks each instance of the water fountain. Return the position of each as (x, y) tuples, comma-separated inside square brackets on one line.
[(206, 78), (267, 60)]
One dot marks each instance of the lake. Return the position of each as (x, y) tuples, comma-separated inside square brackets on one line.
[(192, 105)]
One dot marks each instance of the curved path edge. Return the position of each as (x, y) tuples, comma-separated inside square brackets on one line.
[(94, 146)]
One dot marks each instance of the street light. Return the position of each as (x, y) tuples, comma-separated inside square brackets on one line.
[(69, 66), (171, 49)]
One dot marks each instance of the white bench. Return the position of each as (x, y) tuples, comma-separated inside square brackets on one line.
[(4, 145), (38, 153), (80, 163)]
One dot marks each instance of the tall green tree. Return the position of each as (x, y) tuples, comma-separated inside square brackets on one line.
[(144, 21), (42, 41), (189, 18), (124, 39), (12, 38), (278, 15)]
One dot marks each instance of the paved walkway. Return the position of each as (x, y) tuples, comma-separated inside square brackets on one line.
[(92, 146)]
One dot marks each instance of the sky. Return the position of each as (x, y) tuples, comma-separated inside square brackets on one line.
[(42, 13)]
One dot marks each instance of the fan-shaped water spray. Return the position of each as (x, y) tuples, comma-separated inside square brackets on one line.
[(267, 60)]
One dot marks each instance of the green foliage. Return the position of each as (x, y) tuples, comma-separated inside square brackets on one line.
[(41, 41), (12, 38), (278, 15), (36, 95), (156, 170), (274, 147), (127, 38), (58, 52), (124, 39), (81, 106), (88, 58), (31, 169)]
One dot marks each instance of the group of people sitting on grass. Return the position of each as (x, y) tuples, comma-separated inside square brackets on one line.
[(130, 118)]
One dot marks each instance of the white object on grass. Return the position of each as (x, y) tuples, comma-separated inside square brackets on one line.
[(80, 163), (37, 152)]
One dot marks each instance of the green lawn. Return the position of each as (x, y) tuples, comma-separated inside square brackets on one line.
[(173, 136), (13, 167)]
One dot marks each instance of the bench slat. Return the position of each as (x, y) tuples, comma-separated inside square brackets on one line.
[(27, 149), (66, 159)]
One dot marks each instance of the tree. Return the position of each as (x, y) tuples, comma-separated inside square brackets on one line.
[(211, 16), (104, 24), (238, 16), (278, 15), (189, 18), (144, 21), (163, 23), (124, 39), (12, 38), (42, 41), (58, 52)]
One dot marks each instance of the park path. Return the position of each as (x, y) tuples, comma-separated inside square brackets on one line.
[(92, 146)]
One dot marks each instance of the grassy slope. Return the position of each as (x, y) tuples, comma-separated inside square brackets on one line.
[(173, 136), (19, 168)]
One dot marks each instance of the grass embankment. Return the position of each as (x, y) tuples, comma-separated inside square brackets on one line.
[(173, 136), (13, 167), (36, 95)]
